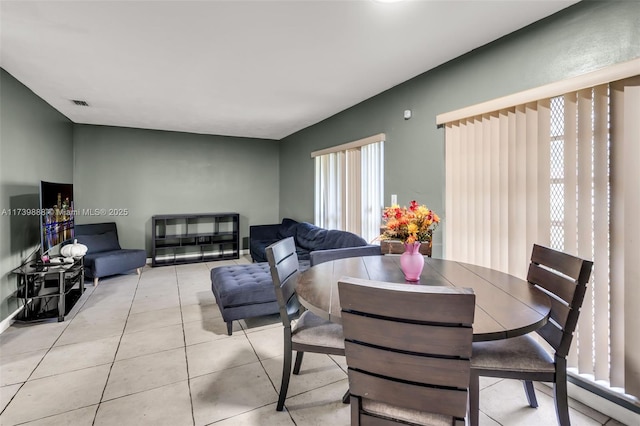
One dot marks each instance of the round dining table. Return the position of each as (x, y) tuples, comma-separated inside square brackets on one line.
[(506, 306)]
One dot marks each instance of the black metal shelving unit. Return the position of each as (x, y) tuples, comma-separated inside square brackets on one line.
[(189, 238), (49, 290)]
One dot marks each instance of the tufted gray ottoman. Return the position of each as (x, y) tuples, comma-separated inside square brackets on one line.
[(243, 291)]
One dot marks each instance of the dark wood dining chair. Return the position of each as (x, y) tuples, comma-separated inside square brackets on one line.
[(408, 350), (310, 332), (564, 277)]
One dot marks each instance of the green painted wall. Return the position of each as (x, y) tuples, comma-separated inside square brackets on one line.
[(36, 143), (582, 38), (152, 172)]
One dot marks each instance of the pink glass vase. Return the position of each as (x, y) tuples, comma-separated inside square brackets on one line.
[(411, 262)]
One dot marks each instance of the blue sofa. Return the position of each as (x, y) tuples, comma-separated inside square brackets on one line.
[(104, 255), (308, 238)]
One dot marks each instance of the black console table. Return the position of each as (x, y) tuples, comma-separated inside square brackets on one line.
[(65, 279)]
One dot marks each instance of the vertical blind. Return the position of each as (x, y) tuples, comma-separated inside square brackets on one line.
[(561, 171), (495, 193), (349, 186)]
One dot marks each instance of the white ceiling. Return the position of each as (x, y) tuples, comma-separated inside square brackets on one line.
[(261, 69)]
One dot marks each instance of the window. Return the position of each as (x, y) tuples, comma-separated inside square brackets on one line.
[(559, 168), (349, 186)]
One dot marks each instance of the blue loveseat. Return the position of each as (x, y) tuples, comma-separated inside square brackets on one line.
[(104, 255), (308, 238)]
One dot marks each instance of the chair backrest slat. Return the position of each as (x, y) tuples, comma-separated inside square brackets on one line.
[(433, 339), (409, 367), (408, 305), (283, 263), (560, 285), (408, 346), (552, 334), (565, 277), (559, 312), (564, 263), (451, 402)]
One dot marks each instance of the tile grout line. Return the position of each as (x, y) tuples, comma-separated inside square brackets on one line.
[(186, 358), (339, 366), (185, 348), (115, 354)]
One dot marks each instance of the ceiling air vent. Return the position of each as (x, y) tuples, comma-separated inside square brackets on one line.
[(79, 103)]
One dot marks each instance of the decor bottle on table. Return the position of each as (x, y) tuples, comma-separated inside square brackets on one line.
[(411, 261)]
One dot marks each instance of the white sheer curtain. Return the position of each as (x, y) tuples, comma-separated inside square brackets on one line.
[(349, 186), (561, 170), (329, 195), (372, 190)]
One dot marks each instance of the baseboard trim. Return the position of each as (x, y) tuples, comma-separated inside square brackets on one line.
[(600, 399), (6, 323), (603, 405), (603, 392)]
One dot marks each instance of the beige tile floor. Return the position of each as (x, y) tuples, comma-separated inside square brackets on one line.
[(153, 350)]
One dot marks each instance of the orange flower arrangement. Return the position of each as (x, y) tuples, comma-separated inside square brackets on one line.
[(409, 225)]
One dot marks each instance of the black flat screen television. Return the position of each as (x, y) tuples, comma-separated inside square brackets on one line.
[(56, 214)]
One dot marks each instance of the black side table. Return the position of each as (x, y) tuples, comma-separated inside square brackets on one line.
[(31, 281)]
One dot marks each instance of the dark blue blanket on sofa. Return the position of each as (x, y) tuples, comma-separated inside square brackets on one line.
[(307, 236)]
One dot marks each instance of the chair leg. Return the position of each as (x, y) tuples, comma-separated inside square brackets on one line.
[(229, 327), (531, 393), (355, 411), (296, 366), (139, 271), (95, 282), (560, 394), (474, 398), (286, 369)]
